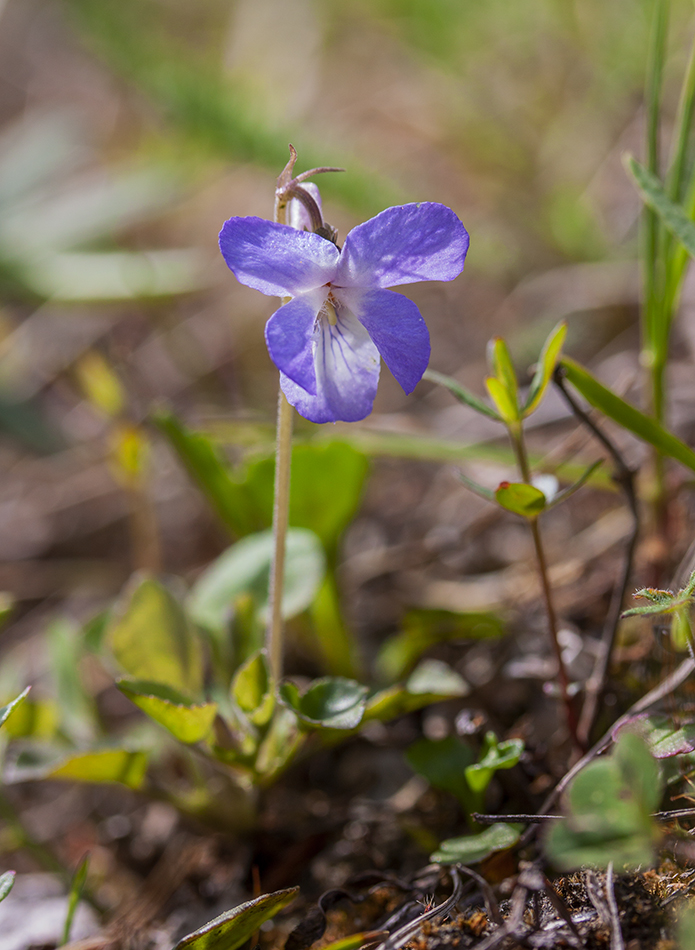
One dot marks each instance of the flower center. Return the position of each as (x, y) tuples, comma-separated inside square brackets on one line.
[(328, 310)]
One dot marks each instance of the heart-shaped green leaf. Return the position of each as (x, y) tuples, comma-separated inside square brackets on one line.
[(187, 721), (6, 883), (244, 568), (609, 811), (525, 500), (471, 849), (152, 639), (252, 689), (234, 927), (330, 703)]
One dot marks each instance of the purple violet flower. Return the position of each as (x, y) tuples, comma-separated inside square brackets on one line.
[(327, 339)]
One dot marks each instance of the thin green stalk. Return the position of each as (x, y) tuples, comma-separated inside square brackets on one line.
[(655, 71), (281, 512), (654, 332), (517, 438), (281, 505)]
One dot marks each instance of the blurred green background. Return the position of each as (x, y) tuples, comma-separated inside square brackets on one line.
[(131, 129)]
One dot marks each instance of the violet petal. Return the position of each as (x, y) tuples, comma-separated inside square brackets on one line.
[(397, 328), (276, 259), (347, 373), (289, 335), (423, 241)]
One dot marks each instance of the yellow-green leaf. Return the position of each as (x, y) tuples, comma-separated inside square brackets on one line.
[(252, 689), (9, 708), (525, 500), (503, 367), (106, 765), (546, 367), (187, 721), (152, 639), (506, 406), (234, 927)]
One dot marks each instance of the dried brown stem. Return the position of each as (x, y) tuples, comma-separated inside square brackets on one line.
[(625, 478)]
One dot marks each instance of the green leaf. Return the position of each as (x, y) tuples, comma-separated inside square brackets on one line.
[(546, 367), (187, 721), (252, 689), (462, 394), (571, 489), (335, 643), (477, 489), (228, 497), (6, 883), (496, 755), (78, 715), (76, 887), (234, 927), (422, 629), (7, 605), (443, 762), (152, 639), (525, 500), (280, 745), (431, 682), (609, 810), (327, 483), (107, 765), (9, 708), (626, 415), (654, 195), (471, 849), (686, 928), (507, 408), (355, 941), (330, 703), (503, 368), (35, 719), (245, 568), (664, 737)]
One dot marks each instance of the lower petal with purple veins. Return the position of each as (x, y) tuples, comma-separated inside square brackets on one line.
[(396, 327), (290, 334), (347, 367)]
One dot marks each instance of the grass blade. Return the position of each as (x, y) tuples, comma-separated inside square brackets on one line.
[(646, 428), (670, 214), (461, 393)]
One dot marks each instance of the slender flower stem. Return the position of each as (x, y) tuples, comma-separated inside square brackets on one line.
[(281, 494), (517, 437), (281, 506)]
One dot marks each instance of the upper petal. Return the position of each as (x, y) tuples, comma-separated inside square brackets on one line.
[(276, 259), (347, 373), (397, 328), (423, 241), (290, 334)]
